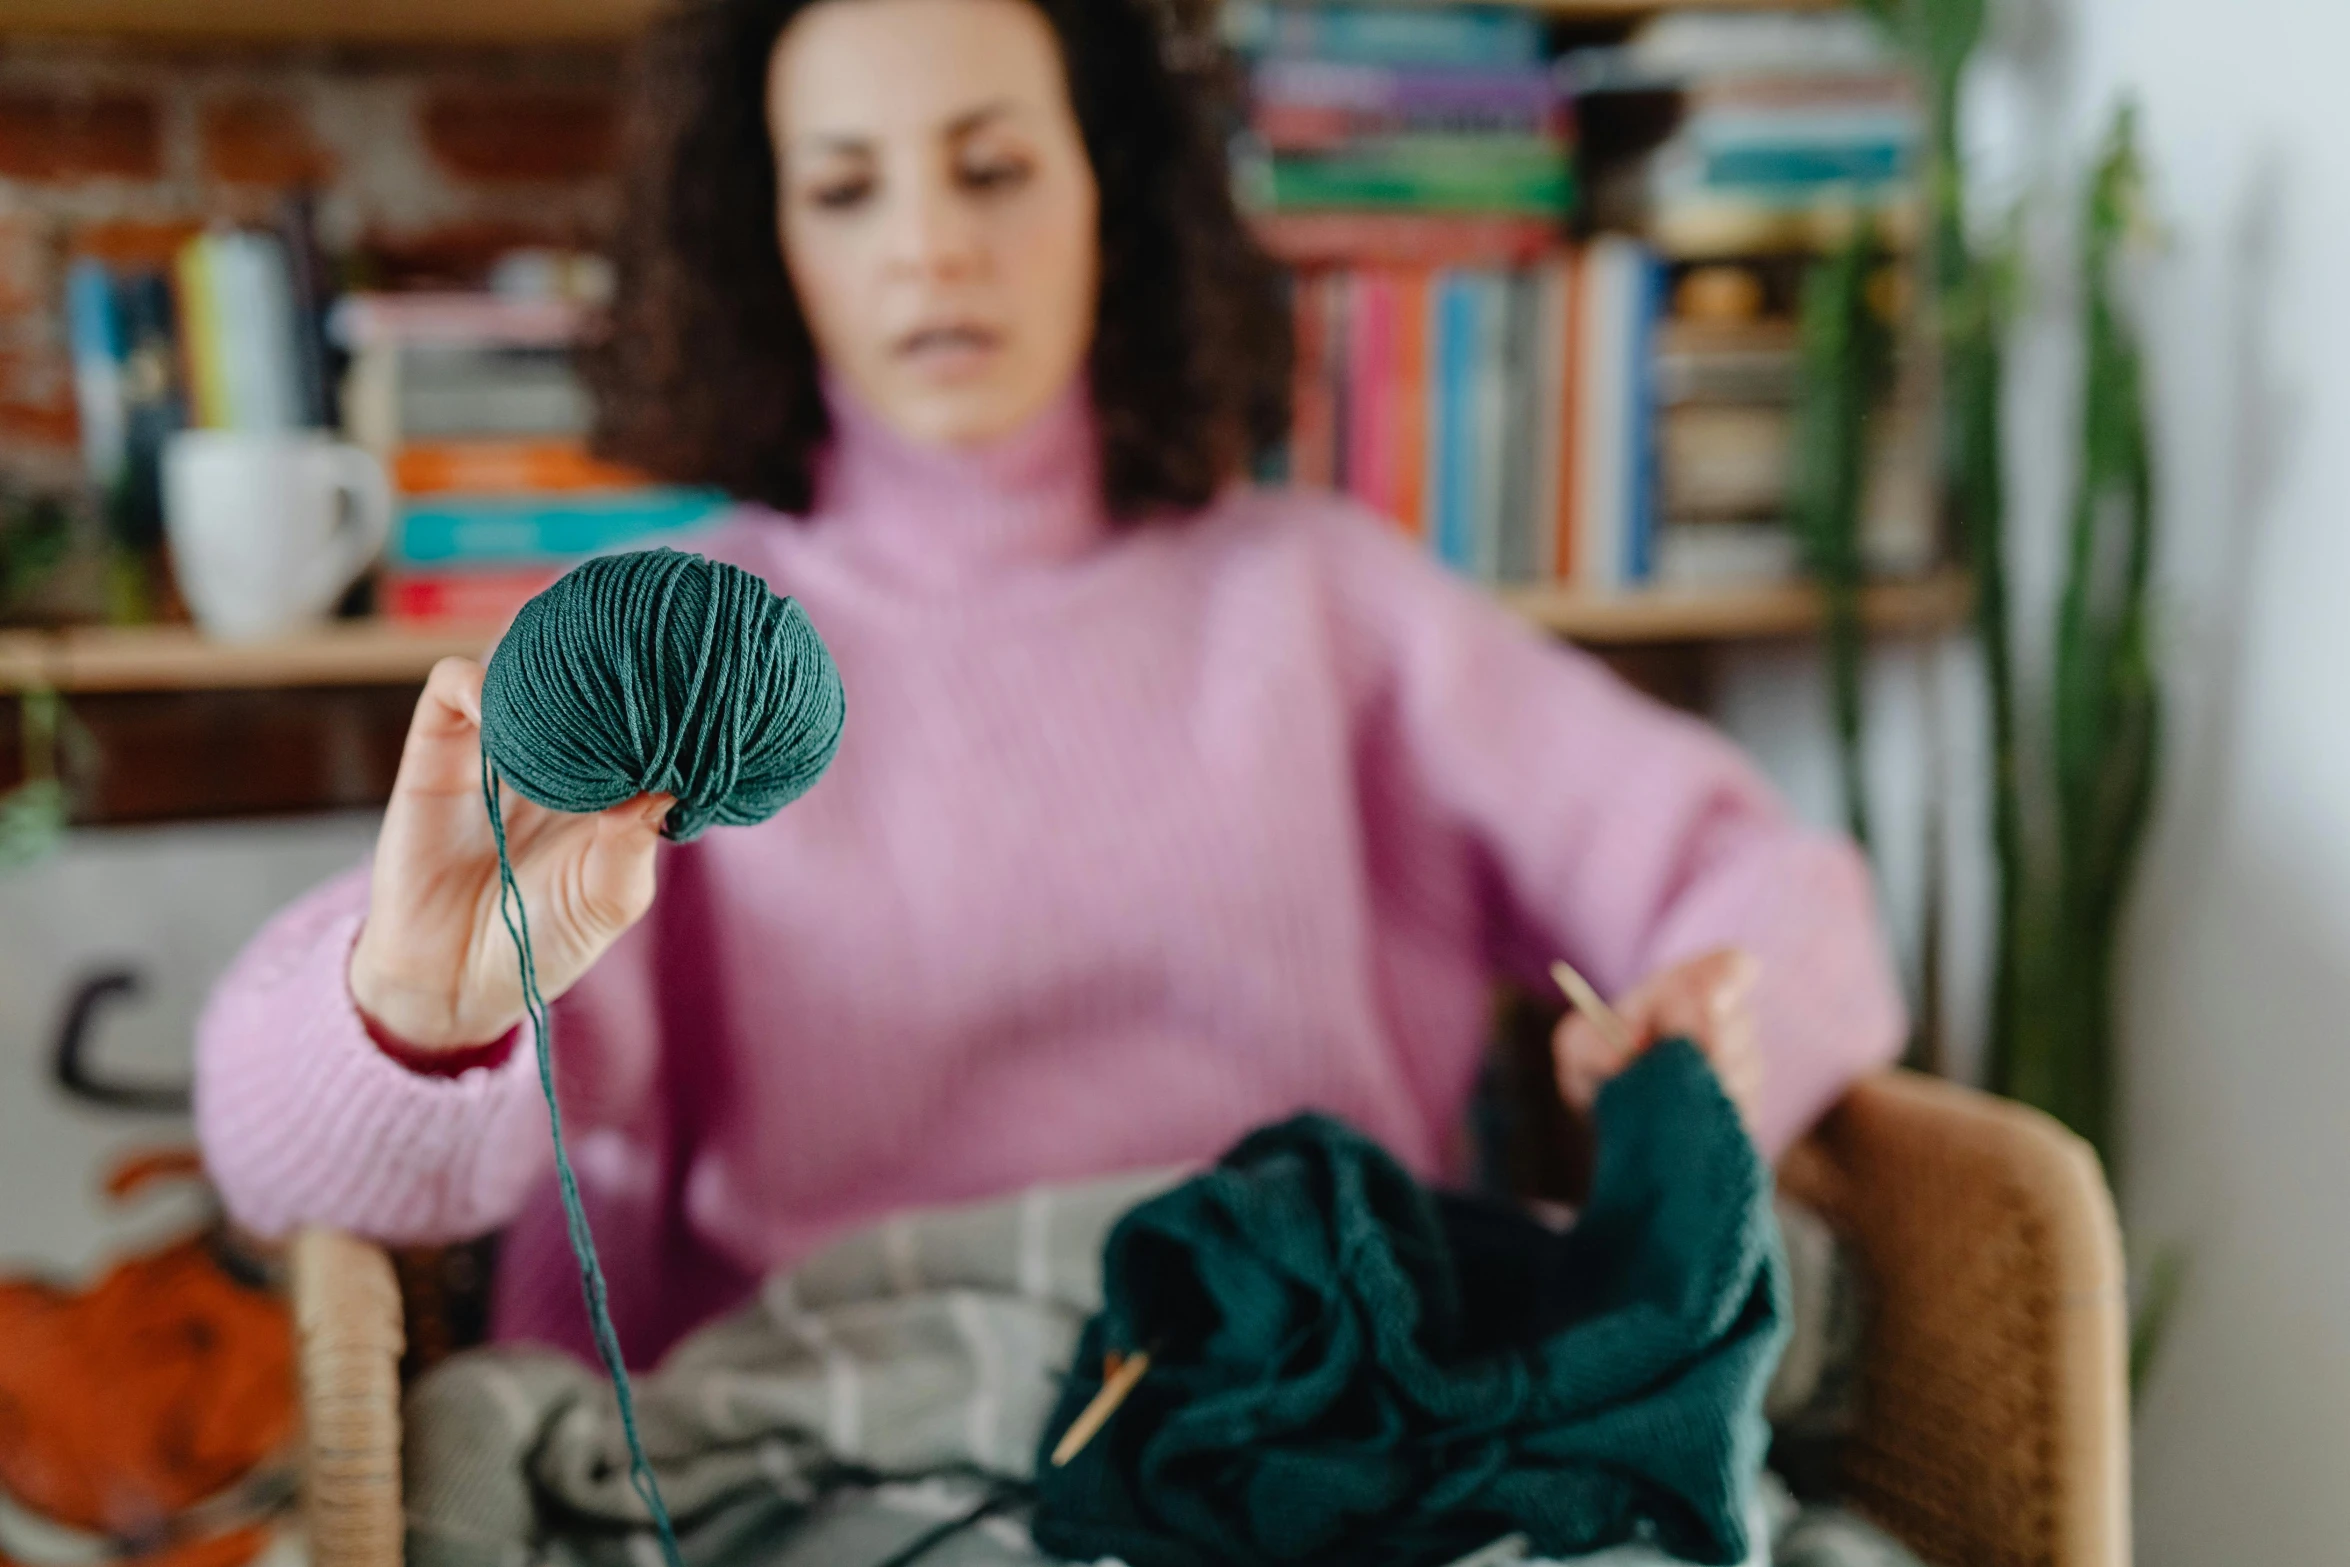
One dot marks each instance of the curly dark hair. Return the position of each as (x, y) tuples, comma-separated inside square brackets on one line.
[(709, 375)]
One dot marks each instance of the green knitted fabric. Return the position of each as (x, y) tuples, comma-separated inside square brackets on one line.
[(1347, 1368)]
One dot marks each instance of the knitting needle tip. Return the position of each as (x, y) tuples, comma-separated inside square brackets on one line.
[(1588, 1001), (1123, 1374)]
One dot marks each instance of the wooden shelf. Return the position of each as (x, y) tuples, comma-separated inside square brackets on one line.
[(516, 21), (1929, 605), (178, 658), (365, 653)]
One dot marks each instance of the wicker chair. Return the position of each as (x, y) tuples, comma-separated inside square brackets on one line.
[(1993, 1429)]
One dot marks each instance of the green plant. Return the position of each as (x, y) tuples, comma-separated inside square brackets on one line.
[(1847, 364), (2066, 845), (36, 535), (33, 814)]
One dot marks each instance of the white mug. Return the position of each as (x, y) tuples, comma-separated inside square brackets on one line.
[(268, 528)]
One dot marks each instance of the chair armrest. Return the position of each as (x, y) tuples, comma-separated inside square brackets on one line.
[(1994, 1424), (349, 1336)]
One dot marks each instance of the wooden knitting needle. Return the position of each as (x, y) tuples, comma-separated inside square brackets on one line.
[(1124, 1373), (1587, 1001)]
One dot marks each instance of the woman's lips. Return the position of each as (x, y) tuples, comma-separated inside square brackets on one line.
[(949, 352)]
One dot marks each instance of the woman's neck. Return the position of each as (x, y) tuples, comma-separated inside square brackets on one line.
[(942, 516)]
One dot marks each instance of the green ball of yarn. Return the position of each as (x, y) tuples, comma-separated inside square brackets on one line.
[(657, 672), (662, 672)]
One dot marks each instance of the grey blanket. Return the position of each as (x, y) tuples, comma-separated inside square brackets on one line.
[(885, 1390)]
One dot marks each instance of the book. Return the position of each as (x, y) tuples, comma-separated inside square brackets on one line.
[(1645, 311), (365, 320), (449, 533), (197, 310), (1336, 237), (493, 466), (1321, 105), (253, 305), (1369, 453), (153, 404), (1753, 362), (94, 336), (1442, 35), (447, 597), (1528, 175), (449, 390), (1691, 554), (1407, 497), (1547, 410), (1726, 461), (312, 284), (1489, 426), (1452, 440), (1614, 469)]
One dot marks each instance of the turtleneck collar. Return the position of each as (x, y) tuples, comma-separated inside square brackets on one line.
[(938, 515)]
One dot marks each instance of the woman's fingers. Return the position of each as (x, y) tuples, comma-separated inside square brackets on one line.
[(1708, 1000), (616, 870), (443, 750)]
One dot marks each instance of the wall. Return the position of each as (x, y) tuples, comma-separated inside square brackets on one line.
[(2238, 1099), (2236, 1107), (425, 163), (172, 905), (2236, 1095)]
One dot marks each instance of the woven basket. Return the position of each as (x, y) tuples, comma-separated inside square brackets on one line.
[(1993, 1429)]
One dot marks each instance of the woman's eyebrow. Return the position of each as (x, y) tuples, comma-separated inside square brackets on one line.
[(852, 142), (972, 119)]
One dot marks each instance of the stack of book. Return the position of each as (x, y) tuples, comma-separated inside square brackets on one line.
[(476, 407), (1790, 128), (1459, 367), (1410, 134), (227, 337), (1791, 125)]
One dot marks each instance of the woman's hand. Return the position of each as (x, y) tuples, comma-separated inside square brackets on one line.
[(1709, 1000), (434, 967)]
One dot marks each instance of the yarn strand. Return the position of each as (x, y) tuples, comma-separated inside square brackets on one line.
[(653, 672), (583, 1242)]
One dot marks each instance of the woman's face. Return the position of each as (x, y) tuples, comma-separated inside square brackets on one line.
[(936, 208)]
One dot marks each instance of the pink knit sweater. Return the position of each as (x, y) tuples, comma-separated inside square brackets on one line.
[(1137, 838)]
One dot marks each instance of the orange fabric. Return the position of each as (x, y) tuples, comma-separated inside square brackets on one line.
[(163, 1384)]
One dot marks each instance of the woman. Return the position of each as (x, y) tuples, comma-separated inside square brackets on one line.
[(1166, 807)]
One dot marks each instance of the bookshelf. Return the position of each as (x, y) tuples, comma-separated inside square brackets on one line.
[(157, 659), (523, 21)]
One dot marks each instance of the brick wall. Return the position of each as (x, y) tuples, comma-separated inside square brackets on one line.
[(425, 164)]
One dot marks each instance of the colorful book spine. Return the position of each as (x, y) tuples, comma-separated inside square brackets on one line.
[(94, 334), (1552, 351), (478, 466), (205, 369), (1645, 312), (254, 304), (467, 597), (1454, 471), (534, 529), (1319, 105), (1504, 416), (1340, 237), (1477, 174), (1407, 498), (1446, 35), (1370, 350)]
